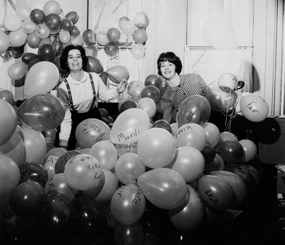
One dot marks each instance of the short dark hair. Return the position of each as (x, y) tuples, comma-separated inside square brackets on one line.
[(172, 58), (64, 56)]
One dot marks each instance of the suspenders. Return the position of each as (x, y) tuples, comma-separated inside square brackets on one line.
[(70, 96)]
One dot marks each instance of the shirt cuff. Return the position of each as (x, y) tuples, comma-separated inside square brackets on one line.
[(63, 143)]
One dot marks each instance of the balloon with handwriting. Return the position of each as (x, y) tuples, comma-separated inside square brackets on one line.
[(128, 204), (189, 163), (254, 107), (191, 217), (216, 193), (191, 134), (58, 183), (88, 130), (49, 165), (83, 172), (106, 153), (35, 145), (42, 112), (129, 126), (156, 148), (165, 188), (9, 175)]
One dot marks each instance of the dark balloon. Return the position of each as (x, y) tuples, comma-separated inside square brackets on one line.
[(33, 172), (73, 16), (151, 92), (104, 113), (208, 153), (37, 16), (53, 22), (89, 37), (47, 53), (90, 221), (128, 104), (94, 65), (231, 151), (67, 24), (17, 52), (161, 84), (150, 79), (104, 77), (111, 48), (27, 57), (33, 62), (7, 96), (162, 124), (75, 31), (26, 198)]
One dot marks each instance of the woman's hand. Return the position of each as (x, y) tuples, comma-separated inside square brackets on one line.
[(122, 86)]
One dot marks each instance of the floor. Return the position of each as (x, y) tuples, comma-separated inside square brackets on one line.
[(262, 221)]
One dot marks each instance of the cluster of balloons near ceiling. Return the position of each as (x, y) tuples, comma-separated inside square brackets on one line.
[(192, 170)]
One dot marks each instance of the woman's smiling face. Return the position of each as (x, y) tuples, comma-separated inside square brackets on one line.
[(74, 60), (167, 70)]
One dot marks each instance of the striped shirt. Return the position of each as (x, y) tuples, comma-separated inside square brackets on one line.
[(190, 84)]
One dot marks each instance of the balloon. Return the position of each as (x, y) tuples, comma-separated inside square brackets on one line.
[(42, 112), (156, 148), (165, 188), (135, 91), (42, 31), (23, 11), (35, 145), (12, 22), (58, 184), (118, 73), (83, 172), (8, 121), (212, 133), (128, 168), (7, 96), (33, 40), (238, 186), (4, 42), (128, 204), (250, 149), (47, 53), (140, 36), (15, 149), (101, 38), (216, 193), (89, 37), (231, 151), (129, 234), (126, 104), (9, 175), (67, 25), (138, 51), (222, 101), (63, 159), (111, 48), (37, 16), (17, 38), (103, 136), (161, 84), (122, 20), (217, 164), (150, 79), (53, 23), (56, 215), (189, 163), (17, 52), (191, 217), (26, 198), (105, 152), (28, 57), (51, 7), (94, 65), (113, 34), (220, 34), (49, 165), (208, 153), (90, 219), (228, 82), (33, 172), (162, 124), (41, 78), (225, 136), (110, 186), (195, 109), (128, 27), (141, 20), (88, 130), (254, 108), (191, 134), (73, 16), (151, 92), (148, 105), (129, 126), (75, 32)]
